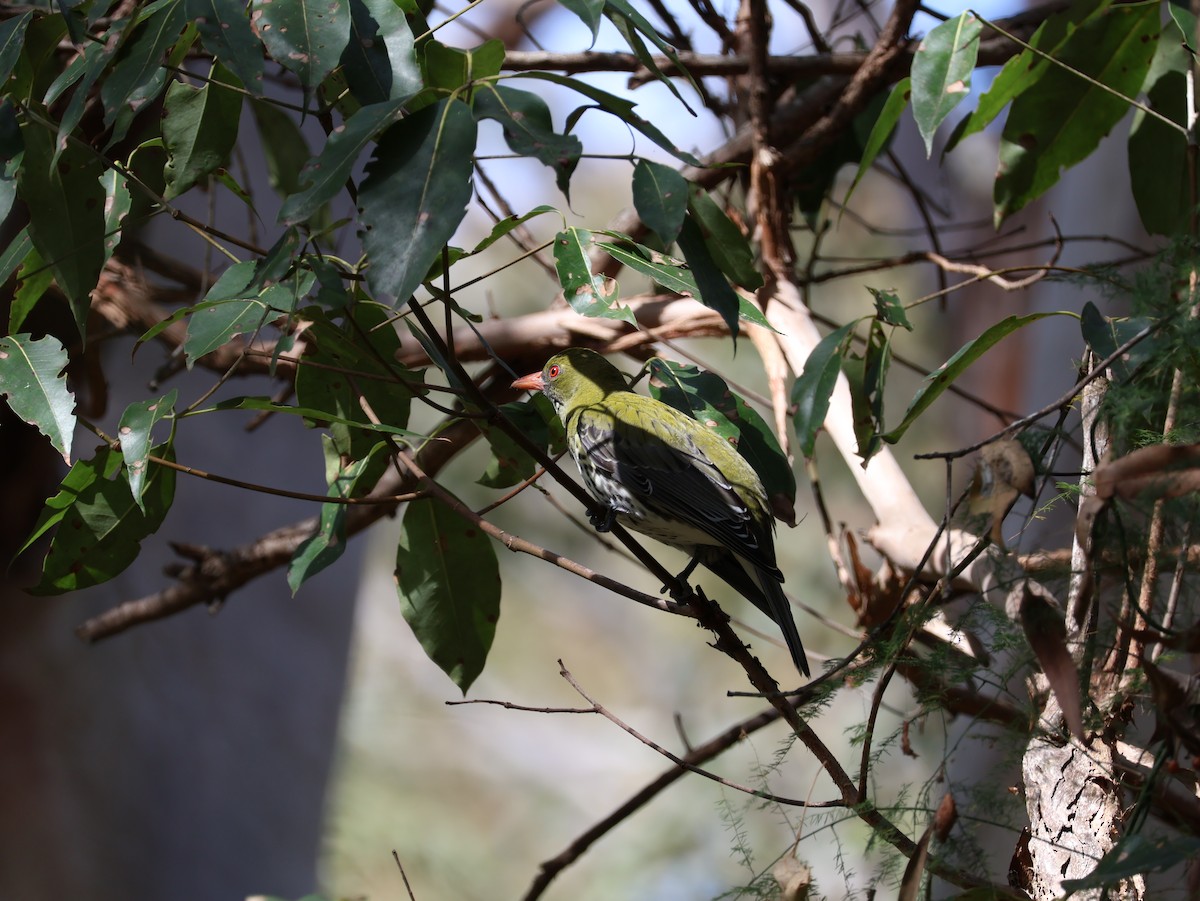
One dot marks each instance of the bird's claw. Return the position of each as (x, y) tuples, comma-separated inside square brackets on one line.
[(603, 521)]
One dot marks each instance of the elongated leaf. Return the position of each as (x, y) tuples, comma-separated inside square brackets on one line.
[(511, 463), (138, 76), (449, 586), (619, 107), (715, 292), (199, 130), (33, 279), (588, 11), (12, 39), (356, 360), (227, 35), (283, 144), (867, 375), (1158, 167), (941, 72), (326, 175), (529, 130), (1104, 336), (134, 433), (328, 542), (305, 36), (213, 324), (415, 194), (1026, 68), (938, 380), (881, 131), (588, 295), (726, 243), (660, 195), (322, 417), (66, 215), (31, 378), (83, 71), (814, 387), (672, 274), (100, 528), (633, 26), (1134, 855), (117, 202), (1059, 121), (12, 154), (11, 257), (379, 61)]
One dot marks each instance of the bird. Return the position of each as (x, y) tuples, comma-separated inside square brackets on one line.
[(659, 472)]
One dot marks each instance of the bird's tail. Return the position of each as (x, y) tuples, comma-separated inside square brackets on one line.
[(763, 589)]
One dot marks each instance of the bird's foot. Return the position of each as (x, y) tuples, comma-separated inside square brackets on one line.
[(603, 521)]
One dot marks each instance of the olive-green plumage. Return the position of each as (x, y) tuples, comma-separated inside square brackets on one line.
[(662, 473)]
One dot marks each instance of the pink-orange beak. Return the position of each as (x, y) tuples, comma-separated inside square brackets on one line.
[(531, 382)]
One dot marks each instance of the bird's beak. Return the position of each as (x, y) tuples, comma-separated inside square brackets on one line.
[(531, 382)]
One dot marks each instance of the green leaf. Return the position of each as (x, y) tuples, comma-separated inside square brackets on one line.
[(881, 131), (31, 379), (814, 387), (448, 581), (942, 377), (1134, 855), (306, 37), (888, 308), (66, 215), (12, 39), (715, 292), (941, 72), (1158, 165), (1059, 121), (138, 75), (1026, 68), (633, 26), (213, 324), (33, 278), (529, 130), (672, 274), (283, 145), (353, 360), (379, 61), (867, 375), (510, 463), (660, 195), (616, 106), (1104, 336), (199, 129), (450, 68), (327, 174), (313, 415), (227, 35), (415, 194), (726, 243), (588, 11), (707, 398), (100, 528), (328, 542), (588, 295), (134, 433), (117, 202), (12, 154)]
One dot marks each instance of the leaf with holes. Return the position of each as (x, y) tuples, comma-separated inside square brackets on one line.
[(588, 295), (134, 433), (941, 72), (100, 528), (226, 33), (306, 37), (448, 581), (31, 378)]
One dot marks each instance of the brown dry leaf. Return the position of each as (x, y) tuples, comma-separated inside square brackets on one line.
[(945, 818), (794, 878), (1047, 635), (1160, 470), (910, 885), (1004, 473)]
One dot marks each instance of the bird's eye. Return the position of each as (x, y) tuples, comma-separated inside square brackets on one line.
[(553, 371)]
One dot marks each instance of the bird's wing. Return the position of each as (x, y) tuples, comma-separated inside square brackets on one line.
[(677, 480)]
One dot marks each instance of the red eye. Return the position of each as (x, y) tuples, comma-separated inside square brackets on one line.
[(553, 371)]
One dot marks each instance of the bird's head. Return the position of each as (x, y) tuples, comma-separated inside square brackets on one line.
[(575, 376)]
